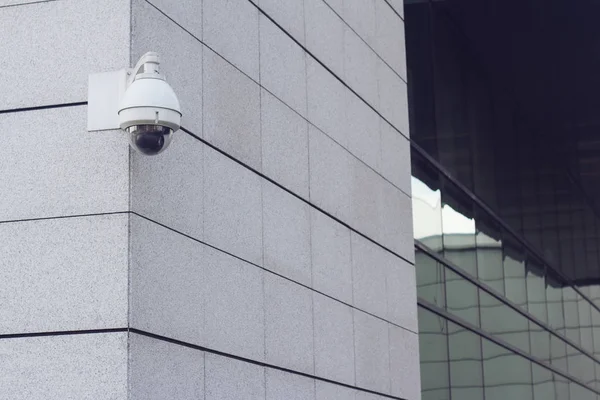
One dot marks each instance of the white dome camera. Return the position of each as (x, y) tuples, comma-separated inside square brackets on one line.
[(149, 111), (139, 101)]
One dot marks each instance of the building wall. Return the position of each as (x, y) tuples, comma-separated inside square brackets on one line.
[(266, 254)]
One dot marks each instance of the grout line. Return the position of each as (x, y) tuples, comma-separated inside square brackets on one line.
[(379, 56), (308, 52), (394, 10), (27, 3), (61, 333), (296, 112), (63, 217), (188, 345), (294, 194), (259, 363), (43, 107), (267, 270)]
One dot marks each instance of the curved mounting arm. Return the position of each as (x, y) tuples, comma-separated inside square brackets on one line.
[(148, 62)]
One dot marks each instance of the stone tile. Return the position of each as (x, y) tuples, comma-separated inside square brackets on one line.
[(393, 98), (360, 15), (64, 367), (326, 102), (161, 370), (282, 66), (360, 67), (180, 54), (325, 35), (187, 13), (4, 3), (231, 29), (284, 136), (231, 110), (97, 40), (82, 173), (283, 385), (371, 344), (234, 319), (334, 340), (354, 193), (369, 272), (232, 207), (168, 188), (395, 157), (331, 257), (389, 41), (401, 288), (360, 395), (367, 202), (395, 222), (228, 378), (288, 14), (329, 391), (404, 363), (166, 282), (289, 325), (63, 274), (331, 175), (398, 5), (362, 129), (286, 234)]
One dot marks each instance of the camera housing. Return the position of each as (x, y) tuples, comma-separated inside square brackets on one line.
[(149, 110), (139, 101)]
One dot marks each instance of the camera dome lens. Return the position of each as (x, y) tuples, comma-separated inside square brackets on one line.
[(150, 139)]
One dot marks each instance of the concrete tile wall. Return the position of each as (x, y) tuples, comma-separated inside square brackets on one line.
[(83, 367), (286, 234), (288, 14), (188, 291), (187, 13), (179, 51), (342, 185), (63, 274), (284, 136), (79, 173), (227, 378), (230, 28), (232, 110), (282, 66), (65, 194), (219, 257), (65, 54), (289, 325), (160, 370)]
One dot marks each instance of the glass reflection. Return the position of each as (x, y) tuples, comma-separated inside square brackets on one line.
[(504, 323), (462, 298), (433, 344), (489, 252), (515, 285), (430, 279), (570, 305), (543, 385), (458, 228), (507, 375), (466, 370)]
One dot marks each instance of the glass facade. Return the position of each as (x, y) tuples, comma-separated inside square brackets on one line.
[(506, 240)]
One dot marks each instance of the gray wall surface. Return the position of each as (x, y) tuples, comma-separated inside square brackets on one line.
[(267, 255)]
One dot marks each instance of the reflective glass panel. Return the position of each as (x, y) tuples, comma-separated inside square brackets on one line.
[(466, 370), (433, 344), (430, 279), (507, 375)]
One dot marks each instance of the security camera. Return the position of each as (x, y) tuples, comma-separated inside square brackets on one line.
[(138, 101)]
